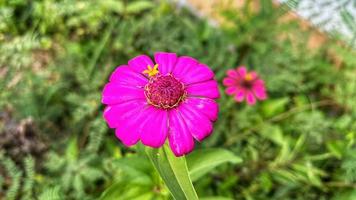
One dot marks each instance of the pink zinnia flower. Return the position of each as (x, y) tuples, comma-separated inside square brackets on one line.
[(244, 85), (172, 98)]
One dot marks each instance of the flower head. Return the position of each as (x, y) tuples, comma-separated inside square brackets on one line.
[(244, 85), (172, 99)]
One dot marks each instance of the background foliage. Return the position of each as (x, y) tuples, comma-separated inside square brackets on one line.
[(55, 57)]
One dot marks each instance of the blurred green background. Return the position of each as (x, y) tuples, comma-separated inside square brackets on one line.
[(55, 57)]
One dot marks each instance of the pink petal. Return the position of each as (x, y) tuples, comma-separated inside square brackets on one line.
[(198, 124), (205, 89), (165, 61), (242, 71), (120, 113), (232, 73), (229, 81), (127, 135), (259, 92), (259, 83), (140, 63), (126, 76), (240, 95), (128, 127), (148, 124), (206, 106), (180, 139), (183, 65), (195, 74), (155, 128), (231, 90), (114, 93), (253, 75), (251, 100), (131, 127), (188, 70)]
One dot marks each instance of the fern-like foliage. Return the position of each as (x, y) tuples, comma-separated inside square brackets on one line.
[(28, 182), (52, 193), (22, 180), (96, 135), (78, 171), (15, 175), (349, 168), (13, 51)]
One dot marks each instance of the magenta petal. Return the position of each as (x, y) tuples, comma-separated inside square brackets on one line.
[(206, 106), (242, 71), (231, 90), (126, 76), (119, 113), (132, 126), (198, 124), (240, 95), (250, 98), (259, 83), (140, 63), (205, 89), (127, 132), (155, 129), (127, 135), (232, 73), (253, 75), (229, 81), (195, 74), (114, 93), (180, 139), (183, 66), (165, 61), (259, 92)]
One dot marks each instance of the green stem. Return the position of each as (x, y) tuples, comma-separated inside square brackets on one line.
[(174, 172)]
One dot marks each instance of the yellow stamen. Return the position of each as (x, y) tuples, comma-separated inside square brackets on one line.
[(151, 71), (248, 77)]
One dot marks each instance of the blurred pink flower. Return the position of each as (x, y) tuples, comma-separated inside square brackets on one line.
[(172, 98), (244, 85)]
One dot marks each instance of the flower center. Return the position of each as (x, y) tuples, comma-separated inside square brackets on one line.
[(164, 91), (247, 81), (246, 84)]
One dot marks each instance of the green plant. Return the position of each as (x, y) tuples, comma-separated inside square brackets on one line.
[(55, 57)]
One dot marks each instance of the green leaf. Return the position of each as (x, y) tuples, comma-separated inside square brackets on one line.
[(125, 191), (336, 147), (51, 194), (135, 169), (274, 107), (117, 6), (138, 6), (174, 172), (273, 133), (203, 161), (100, 48), (72, 150), (135, 181), (215, 198)]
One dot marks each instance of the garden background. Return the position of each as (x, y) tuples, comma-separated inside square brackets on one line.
[(55, 57)]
